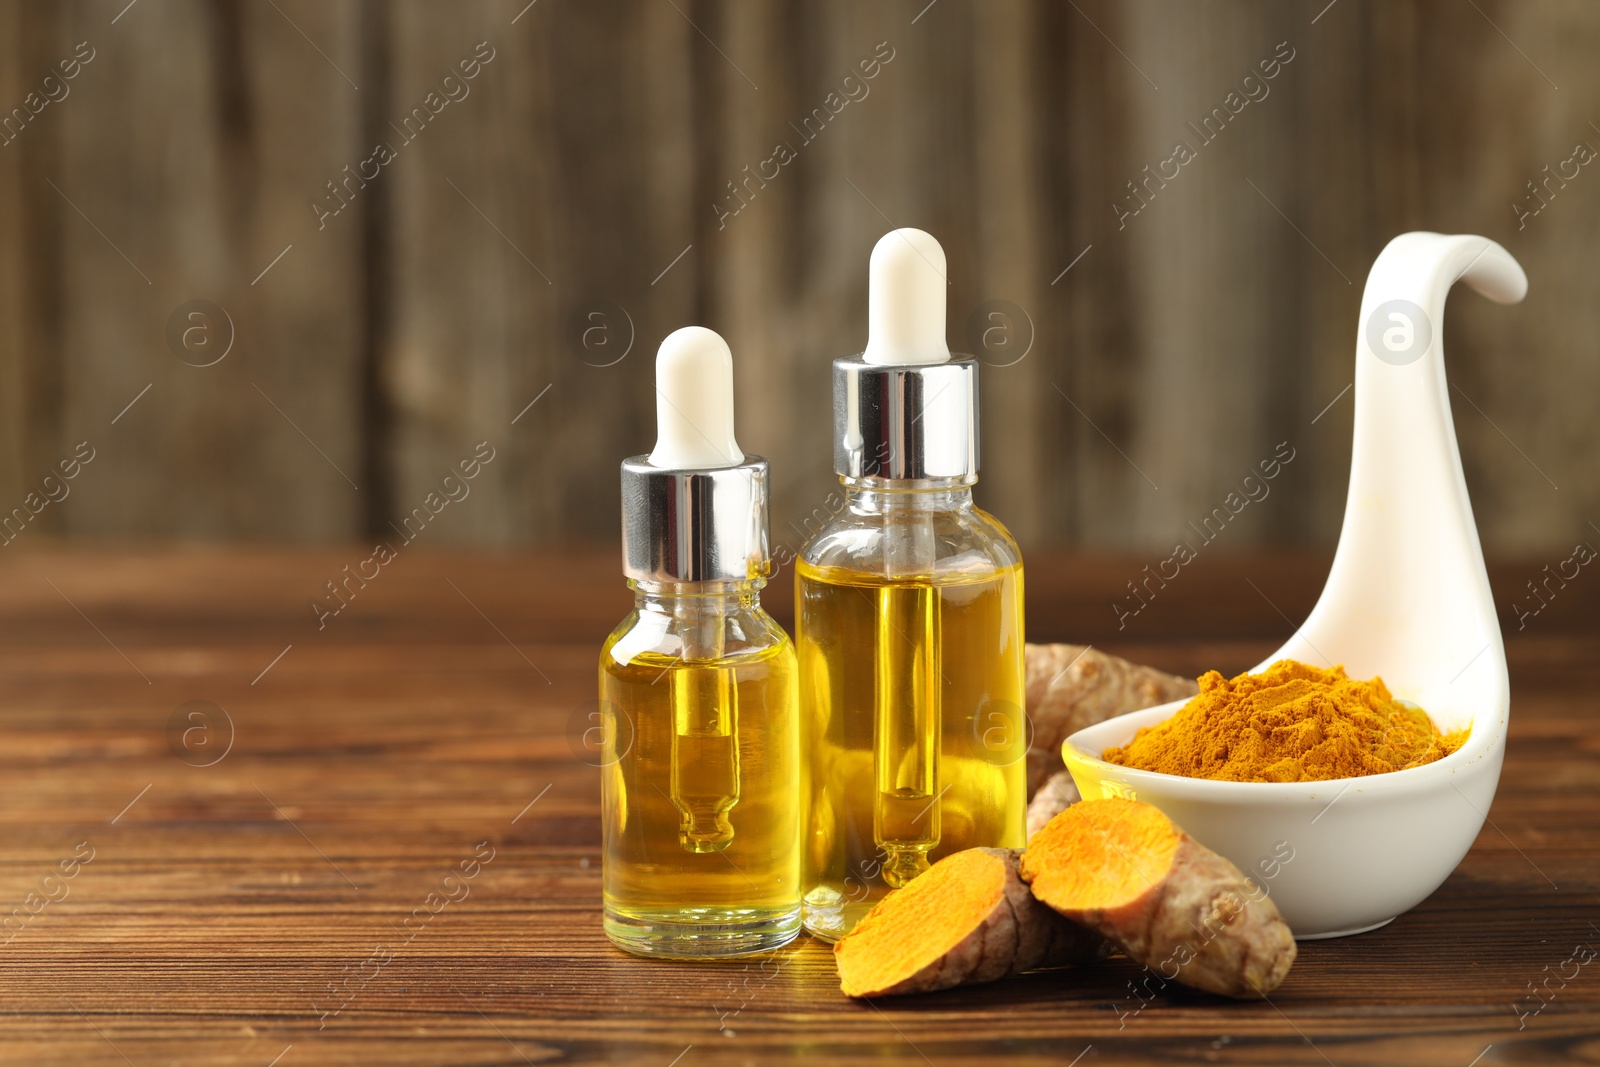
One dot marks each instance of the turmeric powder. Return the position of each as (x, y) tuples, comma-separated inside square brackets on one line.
[(1291, 723)]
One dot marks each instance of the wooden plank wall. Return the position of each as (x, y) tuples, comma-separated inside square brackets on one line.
[(573, 196)]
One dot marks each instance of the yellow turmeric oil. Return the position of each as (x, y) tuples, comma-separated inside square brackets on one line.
[(700, 801), (912, 692)]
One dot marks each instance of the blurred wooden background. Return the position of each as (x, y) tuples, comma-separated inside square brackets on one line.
[(575, 194)]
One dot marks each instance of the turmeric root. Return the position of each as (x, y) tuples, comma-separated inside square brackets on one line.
[(1069, 687), (969, 918), (1058, 793), (1124, 870)]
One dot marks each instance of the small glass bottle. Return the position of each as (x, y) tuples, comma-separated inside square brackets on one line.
[(908, 616), (697, 690)]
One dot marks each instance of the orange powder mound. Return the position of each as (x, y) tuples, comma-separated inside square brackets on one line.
[(933, 913), (1291, 723)]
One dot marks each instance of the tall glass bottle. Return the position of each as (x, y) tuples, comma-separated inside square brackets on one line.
[(908, 616), (697, 690)]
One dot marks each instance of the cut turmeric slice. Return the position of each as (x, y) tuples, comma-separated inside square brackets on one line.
[(969, 918), (1126, 871)]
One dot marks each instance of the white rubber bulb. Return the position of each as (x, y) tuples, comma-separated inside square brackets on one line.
[(694, 402), (906, 300)]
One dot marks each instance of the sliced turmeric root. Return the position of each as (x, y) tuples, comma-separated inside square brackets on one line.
[(969, 918), (1126, 871)]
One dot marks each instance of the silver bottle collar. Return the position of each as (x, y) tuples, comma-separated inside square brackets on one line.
[(694, 525), (905, 422)]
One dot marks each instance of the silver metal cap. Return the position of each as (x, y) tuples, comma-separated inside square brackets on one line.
[(694, 525), (905, 421)]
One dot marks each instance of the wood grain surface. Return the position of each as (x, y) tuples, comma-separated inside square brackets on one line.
[(253, 880)]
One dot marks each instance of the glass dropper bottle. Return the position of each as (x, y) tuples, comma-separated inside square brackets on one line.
[(908, 615), (697, 689)]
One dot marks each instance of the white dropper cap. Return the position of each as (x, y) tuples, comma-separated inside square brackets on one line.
[(906, 300), (694, 402)]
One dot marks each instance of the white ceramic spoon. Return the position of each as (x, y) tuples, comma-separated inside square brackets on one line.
[(1408, 599)]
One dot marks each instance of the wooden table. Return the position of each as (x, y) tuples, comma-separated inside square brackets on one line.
[(253, 886)]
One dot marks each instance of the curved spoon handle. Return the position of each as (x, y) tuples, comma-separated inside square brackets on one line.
[(1408, 596)]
